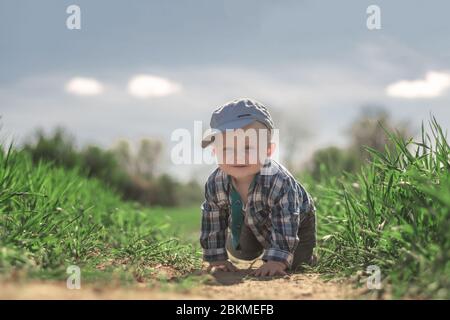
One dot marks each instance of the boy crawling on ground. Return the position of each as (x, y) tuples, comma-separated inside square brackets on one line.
[(253, 206)]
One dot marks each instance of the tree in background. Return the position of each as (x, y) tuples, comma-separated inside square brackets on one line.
[(58, 147), (147, 157), (368, 130), (332, 161), (131, 174), (123, 153)]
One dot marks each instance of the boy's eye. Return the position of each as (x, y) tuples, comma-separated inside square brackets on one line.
[(246, 148)]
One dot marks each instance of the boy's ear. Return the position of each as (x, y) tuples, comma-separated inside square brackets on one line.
[(271, 149)]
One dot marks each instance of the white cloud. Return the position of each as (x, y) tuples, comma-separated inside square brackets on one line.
[(146, 86), (84, 86), (434, 85)]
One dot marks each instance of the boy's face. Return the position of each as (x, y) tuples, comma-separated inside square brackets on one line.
[(242, 152)]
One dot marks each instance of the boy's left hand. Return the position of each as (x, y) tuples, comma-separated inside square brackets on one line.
[(270, 268)]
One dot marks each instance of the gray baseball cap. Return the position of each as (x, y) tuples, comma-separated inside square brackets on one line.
[(236, 114)]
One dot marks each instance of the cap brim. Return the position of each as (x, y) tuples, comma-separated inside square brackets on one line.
[(206, 143), (209, 137)]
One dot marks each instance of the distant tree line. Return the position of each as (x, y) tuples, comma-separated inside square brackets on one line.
[(367, 131), (132, 174)]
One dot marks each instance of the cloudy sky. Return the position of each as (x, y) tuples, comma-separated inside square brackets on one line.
[(145, 68)]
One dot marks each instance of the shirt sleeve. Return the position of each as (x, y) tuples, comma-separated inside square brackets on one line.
[(285, 219), (213, 227)]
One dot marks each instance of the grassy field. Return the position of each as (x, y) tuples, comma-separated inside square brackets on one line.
[(51, 218), (393, 214), (182, 223)]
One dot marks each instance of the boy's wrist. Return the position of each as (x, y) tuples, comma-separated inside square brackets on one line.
[(275, 254), (215, 254)]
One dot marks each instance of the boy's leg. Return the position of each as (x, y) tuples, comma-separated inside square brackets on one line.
[(249, 247), (307, 234)]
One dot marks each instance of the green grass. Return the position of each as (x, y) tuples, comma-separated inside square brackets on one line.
[(180, 222), (394, 214), (51, 218)]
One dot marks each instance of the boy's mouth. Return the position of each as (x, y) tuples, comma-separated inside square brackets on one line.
[(239, 165)]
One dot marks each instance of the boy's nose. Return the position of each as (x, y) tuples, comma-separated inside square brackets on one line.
[(241, 158)]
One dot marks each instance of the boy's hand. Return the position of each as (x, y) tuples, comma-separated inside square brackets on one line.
[(222, 266), (270, 268)]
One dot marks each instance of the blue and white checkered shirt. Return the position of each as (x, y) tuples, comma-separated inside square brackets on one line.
[(272, 213)]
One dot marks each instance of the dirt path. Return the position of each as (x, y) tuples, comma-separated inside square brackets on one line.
[(220, 285)]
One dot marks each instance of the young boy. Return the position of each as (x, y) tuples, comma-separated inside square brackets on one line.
[(253, 205)]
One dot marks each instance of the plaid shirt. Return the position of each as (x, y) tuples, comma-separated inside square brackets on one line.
[(272, 213)]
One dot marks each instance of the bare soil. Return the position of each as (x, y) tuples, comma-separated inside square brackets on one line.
[(217, 285)]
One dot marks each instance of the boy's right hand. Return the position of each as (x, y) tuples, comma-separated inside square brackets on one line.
[(222, 266)]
